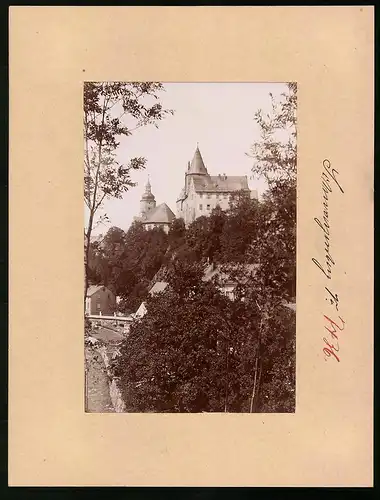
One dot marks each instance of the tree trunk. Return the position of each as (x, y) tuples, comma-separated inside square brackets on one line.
[(226, 388), (257, 391), (254, 385), (86, 255), (85, 386), (256, 380), (93, 207)]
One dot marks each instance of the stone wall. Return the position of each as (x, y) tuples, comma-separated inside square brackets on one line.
[(115, 393)]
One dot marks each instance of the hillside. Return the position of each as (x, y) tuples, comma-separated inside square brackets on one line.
[(248, 233)]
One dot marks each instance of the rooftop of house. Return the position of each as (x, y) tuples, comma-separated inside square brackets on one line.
[(221, 183), (95, 288), (220, 272), (160, 215), (210, 272), (159, 286), (96, 237), (224, 272)]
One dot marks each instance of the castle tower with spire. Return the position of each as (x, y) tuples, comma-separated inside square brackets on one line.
[(147, 202), (203, 192), (153, 216)]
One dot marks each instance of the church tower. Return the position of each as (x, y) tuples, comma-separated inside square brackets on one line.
[(147, 202)]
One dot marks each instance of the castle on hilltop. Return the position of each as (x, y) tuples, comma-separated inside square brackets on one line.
[(203, 192), (200, 195)]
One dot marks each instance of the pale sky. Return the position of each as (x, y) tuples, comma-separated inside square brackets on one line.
[(219, 116)]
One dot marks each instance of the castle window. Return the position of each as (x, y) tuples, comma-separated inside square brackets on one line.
[(208, 207), (200, 206), (208, 196)]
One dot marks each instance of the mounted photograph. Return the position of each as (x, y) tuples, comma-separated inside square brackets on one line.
[(190, 204)]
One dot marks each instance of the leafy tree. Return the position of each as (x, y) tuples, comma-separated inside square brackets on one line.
[(155, 250), (209, 353), (113, 248), (277, 392), (250, 368), (275, 154), (176, 234), (274, 249), (195, 350), (275, 158), (95, 264), (222, 237), (111, 111), (127, 262), (196, 240), (202, 242), (216, 224), (240, 229), (170, 362), (276, 246)]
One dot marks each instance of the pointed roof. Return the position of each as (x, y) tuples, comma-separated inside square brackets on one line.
[(148, 192), (197, 166), (161, 214)]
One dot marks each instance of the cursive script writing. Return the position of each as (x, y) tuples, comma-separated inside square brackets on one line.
[(328, 175), (329, 180), (332, 343)]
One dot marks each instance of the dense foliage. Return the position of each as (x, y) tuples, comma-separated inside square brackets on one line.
[(113, 110), (196, 349), (127, 262), (192, 359)]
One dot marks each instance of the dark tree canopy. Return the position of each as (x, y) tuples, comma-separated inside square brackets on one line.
[(113, 110), (275, 153), (127, 262), (196, 349)]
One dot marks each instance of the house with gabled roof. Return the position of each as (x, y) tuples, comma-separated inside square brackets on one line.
[(158, 287), (100, 300)]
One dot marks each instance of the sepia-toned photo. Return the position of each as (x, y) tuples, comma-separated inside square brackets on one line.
[(190, 247), (219, 162)]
